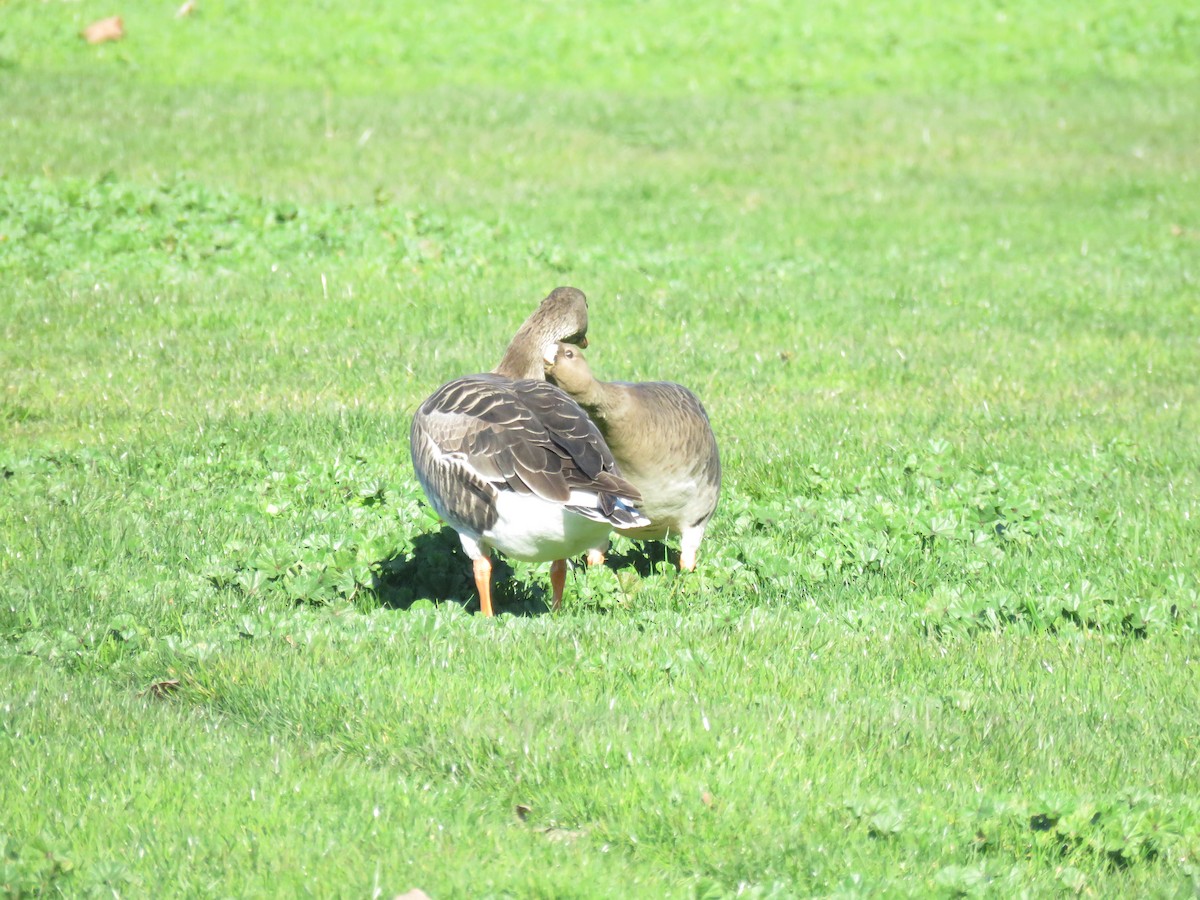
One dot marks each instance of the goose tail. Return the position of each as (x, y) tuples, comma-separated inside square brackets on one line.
[(617, 511)]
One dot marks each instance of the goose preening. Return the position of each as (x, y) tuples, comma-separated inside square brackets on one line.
[(662, 441), (514, 464)]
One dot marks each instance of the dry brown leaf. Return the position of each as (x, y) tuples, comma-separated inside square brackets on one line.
[(161, 689), (522, 811), (414, 894), (186, 10), (110, 29)]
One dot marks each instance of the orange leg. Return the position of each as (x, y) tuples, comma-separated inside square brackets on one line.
[(558, 580), (483, 584)]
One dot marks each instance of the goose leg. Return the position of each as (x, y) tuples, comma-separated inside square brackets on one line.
[(483, 583), (688, 545), (558, 581)]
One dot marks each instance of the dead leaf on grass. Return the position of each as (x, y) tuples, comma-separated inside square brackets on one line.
[(186, 10), (522, 811), (162, 689), (414, 894), (110, 29)]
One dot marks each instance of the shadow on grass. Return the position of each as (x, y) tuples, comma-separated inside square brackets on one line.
[(644, 557), (438, 570)]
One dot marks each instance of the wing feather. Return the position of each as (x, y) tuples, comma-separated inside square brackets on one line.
[(483, 434)]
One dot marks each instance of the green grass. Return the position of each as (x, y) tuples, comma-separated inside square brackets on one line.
[(933, 273), (656, 47)]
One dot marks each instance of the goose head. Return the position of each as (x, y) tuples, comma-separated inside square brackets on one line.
[(560, 317), (566, 367)]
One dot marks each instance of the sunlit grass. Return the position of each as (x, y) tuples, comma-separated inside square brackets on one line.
[(941, 306)]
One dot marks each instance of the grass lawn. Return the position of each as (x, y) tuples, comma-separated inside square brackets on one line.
[(934, 272)]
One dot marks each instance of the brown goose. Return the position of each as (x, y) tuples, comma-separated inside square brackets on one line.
[(514, 464), (662, 441)]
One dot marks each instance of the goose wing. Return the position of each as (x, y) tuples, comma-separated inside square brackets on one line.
[(483, 434)]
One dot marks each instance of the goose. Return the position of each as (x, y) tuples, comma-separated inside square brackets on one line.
[(513, 464), (663, 443)]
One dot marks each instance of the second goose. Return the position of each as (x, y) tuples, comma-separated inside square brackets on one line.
[(661, 438)]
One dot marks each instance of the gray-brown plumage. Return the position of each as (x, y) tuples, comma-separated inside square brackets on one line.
[(514, 464), (562, 316), (661, 438)]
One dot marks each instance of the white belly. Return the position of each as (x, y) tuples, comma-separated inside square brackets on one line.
[(535, 530)]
